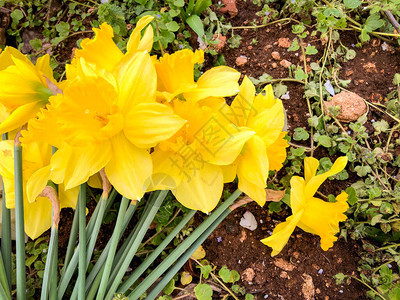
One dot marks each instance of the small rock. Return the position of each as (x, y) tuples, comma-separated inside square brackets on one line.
[(222, 42), (248, 275), (387, 47), (230, 7), (248, 221), (351, 105), (283, 264), (349, 72), (285, 63), (275, 55), (243, 237), (241, 60), (370, 67), (296, 254), (274, 65), (283, 274), (284, 42), (308, 287), (266, 48)]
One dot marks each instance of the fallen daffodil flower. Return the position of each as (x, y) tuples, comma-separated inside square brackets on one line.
[(311, 214)]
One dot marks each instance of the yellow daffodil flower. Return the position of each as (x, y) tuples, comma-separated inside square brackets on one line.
[(109, 126), (266, 150), (311, 214), (24, 87), (176, 77), (37, 209), (190, 162)]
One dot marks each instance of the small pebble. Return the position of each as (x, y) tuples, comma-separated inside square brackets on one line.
[(320, 271), (372, 120), (389, 266), (261, 221), (341, 291)]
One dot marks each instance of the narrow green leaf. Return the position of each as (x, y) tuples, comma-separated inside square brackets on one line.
[(196, 24)]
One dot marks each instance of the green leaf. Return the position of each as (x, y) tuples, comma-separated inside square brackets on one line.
[(325, 141), (205, 270), (31, 260), (373, 22), (300, 75), (203, 291), (396, 79), (235, 276), (201, 5), (249, 297), (234, 41), (294, 46), (172, 26), (340, 277), (16, 16), (169, 288), (394, 294), (279, 90), (362, 170), (351, 4), (311, 50), (196, 24), (63, 29), (225, 274), (300, 134), (352, 195), (350, 54), (179, 3), (364, 36), (381, 126), (36, 44), (376, 219)]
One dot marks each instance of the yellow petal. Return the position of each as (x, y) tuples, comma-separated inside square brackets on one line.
[(147, 124), (136, 43), (137, 80), (217, 82), (268, 123), (310, 168), (36, 183), (95, 181), (6, 60), (264, 100), (37, 217), (229, 172), (243, 103), (253, 170), (281, 233), (220, 142), (129, 169), (68, 198), (20, 116), (277, 152), (101, 50), (202, 189), (322, 218), (314, 183), (43, 66), (74, 165), (297, 197)]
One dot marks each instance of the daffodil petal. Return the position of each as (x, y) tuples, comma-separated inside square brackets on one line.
[(6, 60), (146, 124), (137, 80), (202, 189), (136, 43), (217, 82), (297, 199), (253, 170), (36, 183), (310, 168), (264, 100), (229, 172), (281, 233), (20, 116), (314, 183), (43, 66), (37, 217), (68, 198), (95, 181), (101, 50), (242, 105), (277, 152), (129, 169)]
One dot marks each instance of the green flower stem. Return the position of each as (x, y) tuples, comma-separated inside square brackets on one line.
[(4, 281), (19, 217), (161, 268), (183, 259), (6, 234), (82, 241), (152, 257), (100, 262), (54, 269), (50, 262), (71, 243), (94, 288), (71, 268), (113, 248), (154, 203)]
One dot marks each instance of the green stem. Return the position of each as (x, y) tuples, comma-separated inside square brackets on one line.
[(71, 242), (368, 286), (6, 234), (154, 203), (95, 285), (82, 241), (19, 217), (50, 261), (3, 280), (166, 263), (152, 257), (113, 248), (183, 259)]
